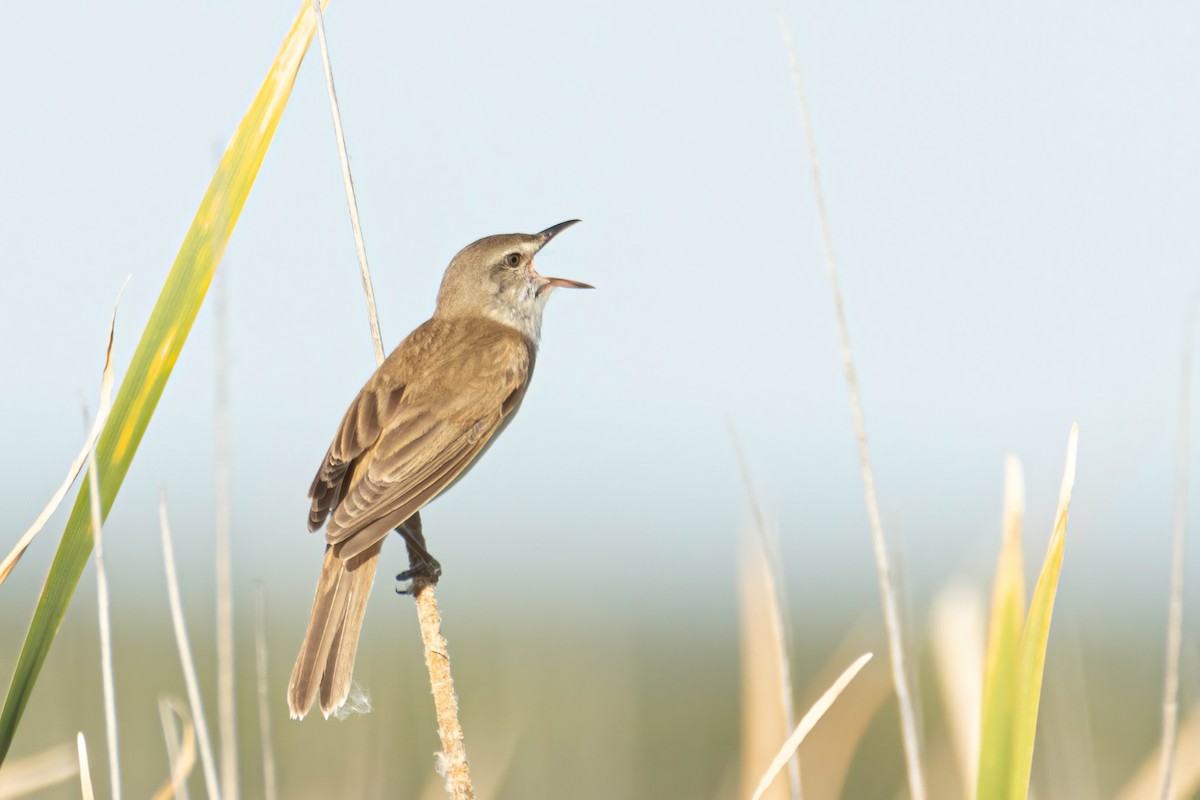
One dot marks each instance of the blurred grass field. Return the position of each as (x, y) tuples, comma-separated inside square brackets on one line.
[(585, 708)]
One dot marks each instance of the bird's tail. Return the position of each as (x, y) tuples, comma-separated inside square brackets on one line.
[(326, 660)]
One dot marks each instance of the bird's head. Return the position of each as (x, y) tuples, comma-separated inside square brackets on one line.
[(495, 278)]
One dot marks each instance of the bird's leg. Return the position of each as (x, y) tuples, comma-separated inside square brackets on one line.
[(423, 569)]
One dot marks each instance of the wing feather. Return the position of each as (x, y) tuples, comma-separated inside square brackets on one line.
[(418, 495), (416, 426)]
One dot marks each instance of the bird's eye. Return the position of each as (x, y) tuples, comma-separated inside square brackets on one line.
[(513, 260)]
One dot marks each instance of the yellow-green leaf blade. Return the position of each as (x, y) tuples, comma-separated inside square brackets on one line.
[(1036, 635), (156, 354), (1004, 636)]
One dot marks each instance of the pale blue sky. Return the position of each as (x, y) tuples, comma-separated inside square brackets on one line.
[(1014, 197)]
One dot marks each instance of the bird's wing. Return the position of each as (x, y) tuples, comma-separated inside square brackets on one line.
[(359, 430), (411, 442)]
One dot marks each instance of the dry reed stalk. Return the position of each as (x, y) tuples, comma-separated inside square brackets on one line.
[(106, 667), (270, 785), (1170, 710), (181, 749), (765, 642), (453, 759), (106, 386), (452, 762), (85, 773), (891, 612), (958, 645), (226, 710), (185, 656), (763, 660), (360, 246)]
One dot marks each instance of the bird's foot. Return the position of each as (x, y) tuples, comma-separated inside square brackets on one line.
[(419, 575)]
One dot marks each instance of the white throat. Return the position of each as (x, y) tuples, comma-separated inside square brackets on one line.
[(523, 314)]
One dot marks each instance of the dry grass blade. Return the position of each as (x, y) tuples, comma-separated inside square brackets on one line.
[(765, 648), (185, 656), (763, 661), (24, 776), (270, 790), (173, 739), (958, 647), (181, 750), (1170, 709), (833, 745), (85, 773), (807, 722), (106, 387), (106, 665), (887, 592)]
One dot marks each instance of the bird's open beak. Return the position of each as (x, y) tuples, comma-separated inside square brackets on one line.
[(564, 282), (555, 230), (546, 283)]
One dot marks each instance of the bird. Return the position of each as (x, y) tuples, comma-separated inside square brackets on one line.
[(425, 416)]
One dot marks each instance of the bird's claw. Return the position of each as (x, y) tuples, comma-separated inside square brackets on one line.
[(424, 573)]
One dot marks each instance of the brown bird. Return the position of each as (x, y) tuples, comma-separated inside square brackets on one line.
[(429, 411)]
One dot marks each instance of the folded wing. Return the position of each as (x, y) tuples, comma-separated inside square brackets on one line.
[(417, 426)]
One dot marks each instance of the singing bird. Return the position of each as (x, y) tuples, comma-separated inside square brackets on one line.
[(422, 419)]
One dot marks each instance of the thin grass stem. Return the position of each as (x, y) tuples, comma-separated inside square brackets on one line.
[(1170, 705), (106, 666), (106, 387), (778, 620), (270, 785), (360, 246), (891, 612), (185, 656), (168, 712)]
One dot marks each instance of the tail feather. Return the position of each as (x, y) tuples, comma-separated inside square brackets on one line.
[(326, 659), (339, 667)]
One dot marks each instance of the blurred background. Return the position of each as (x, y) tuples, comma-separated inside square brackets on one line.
[(1013, 194)]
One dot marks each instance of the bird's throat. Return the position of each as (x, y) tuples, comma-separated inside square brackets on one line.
[(524, 315)]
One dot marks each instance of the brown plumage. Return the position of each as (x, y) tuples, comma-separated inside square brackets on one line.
[(415, 428)]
